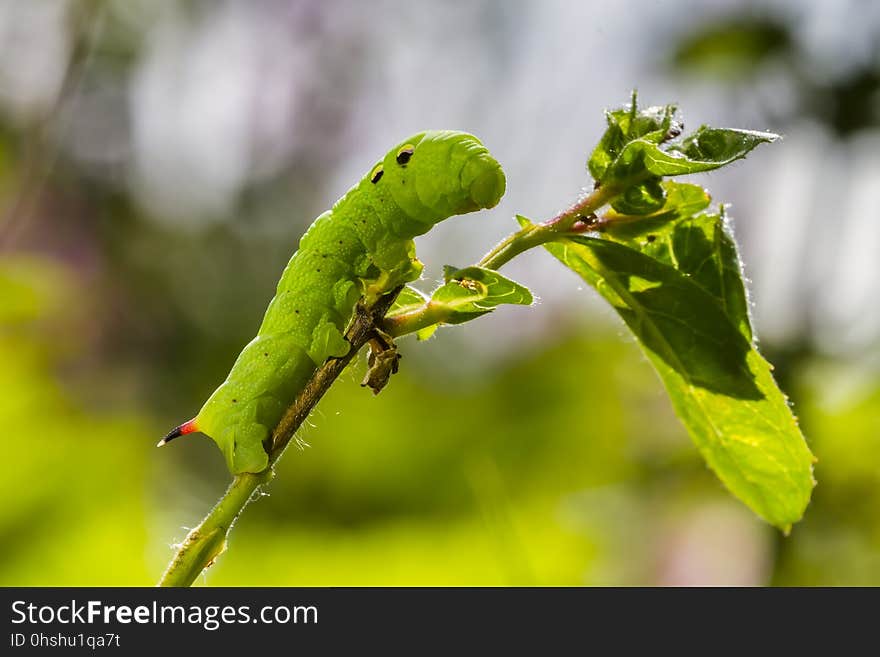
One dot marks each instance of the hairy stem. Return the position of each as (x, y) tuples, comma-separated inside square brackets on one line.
[(537, 234), (207, 541)]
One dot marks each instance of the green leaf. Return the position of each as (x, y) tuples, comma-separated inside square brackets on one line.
[(474, 291), (625, 125), (720, 146), (700, 245), (638, 149), (720, 386), (705, 150), (524, 222), (680, 200), (702, 248), (467, 294), (641, 199)]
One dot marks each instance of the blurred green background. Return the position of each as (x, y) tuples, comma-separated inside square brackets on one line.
[(159, 161)]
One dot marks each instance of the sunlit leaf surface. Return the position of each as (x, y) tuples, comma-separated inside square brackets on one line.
[(684, 302)]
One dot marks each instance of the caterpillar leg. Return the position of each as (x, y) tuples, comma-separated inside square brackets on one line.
[(397, 264), (383, 361)]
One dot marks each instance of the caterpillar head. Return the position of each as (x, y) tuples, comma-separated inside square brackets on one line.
[(436, 174)]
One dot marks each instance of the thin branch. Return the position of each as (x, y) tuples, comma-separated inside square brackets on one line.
[(537, 234), (362, 329), (207, 541), (415, 320)]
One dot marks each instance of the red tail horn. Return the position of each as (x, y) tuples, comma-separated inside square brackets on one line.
[(183, 429)]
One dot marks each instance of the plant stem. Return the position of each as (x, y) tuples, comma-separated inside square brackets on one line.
[(534, 235), (208, 540), (415, 320), (580, 214)]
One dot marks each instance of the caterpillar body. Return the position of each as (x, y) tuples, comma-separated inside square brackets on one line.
[(361, 248)]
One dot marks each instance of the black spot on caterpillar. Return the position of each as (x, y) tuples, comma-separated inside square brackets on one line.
[(404, 154)]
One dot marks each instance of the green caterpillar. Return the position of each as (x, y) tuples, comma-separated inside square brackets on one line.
[(361, 248)]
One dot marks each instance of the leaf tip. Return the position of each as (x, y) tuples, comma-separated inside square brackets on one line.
[(524, 222)]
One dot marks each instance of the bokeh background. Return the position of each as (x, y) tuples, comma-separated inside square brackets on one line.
[(160, 159)]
